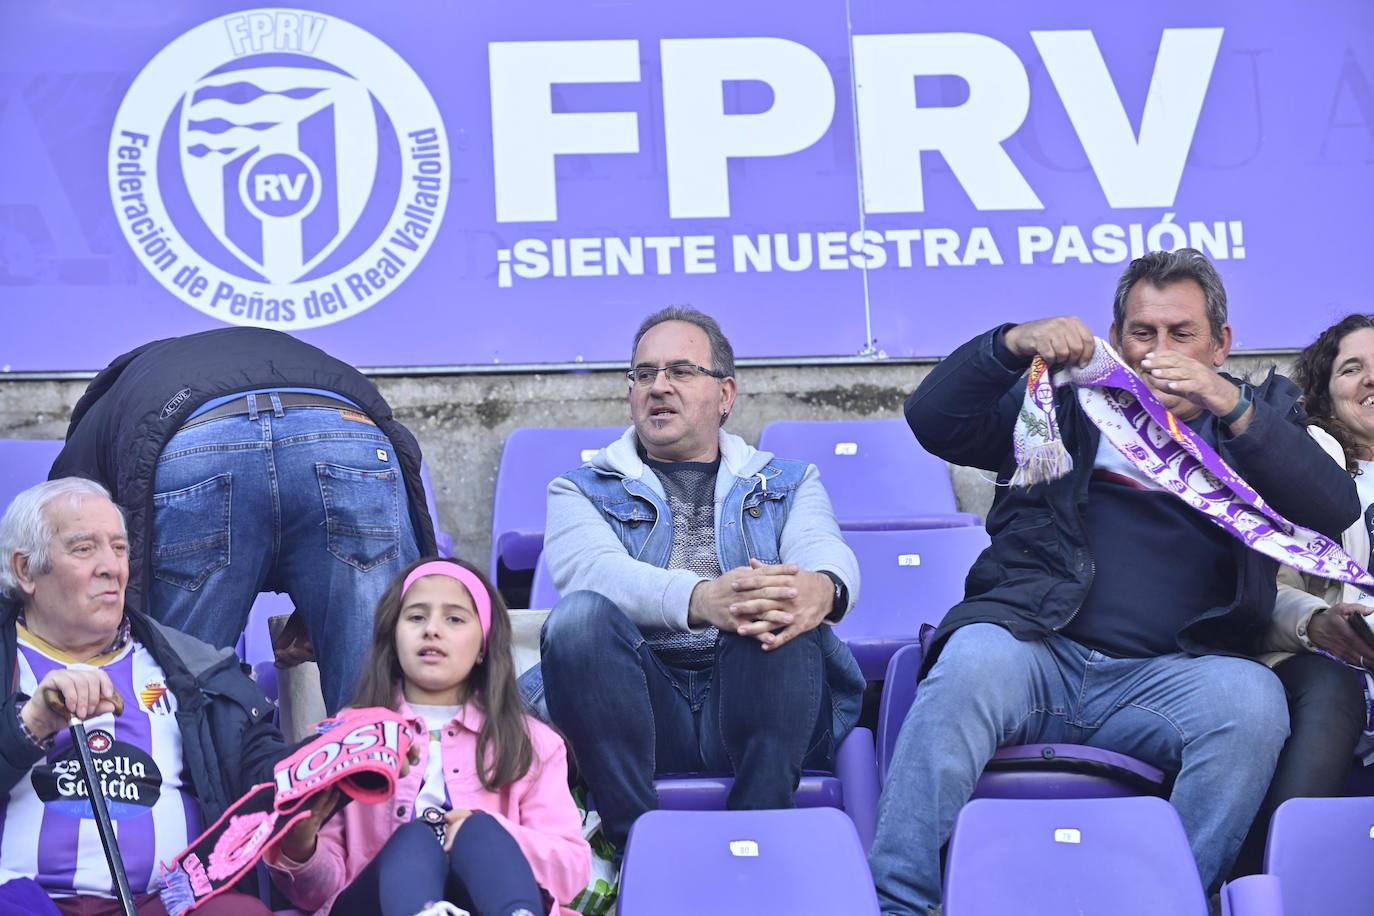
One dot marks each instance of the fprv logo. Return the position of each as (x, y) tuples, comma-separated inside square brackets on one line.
[(279, 168)]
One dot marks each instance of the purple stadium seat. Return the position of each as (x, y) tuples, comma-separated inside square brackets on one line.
[(853, 787), (907, 578), (255, 645), (877, 475), (443, 540), (543, 595), (533, 456), (796, 862), (1320, 849), (1253, 895), (23, 463), (1117, 856), (1023, 770)]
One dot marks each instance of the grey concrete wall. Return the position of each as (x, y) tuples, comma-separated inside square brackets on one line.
[(462, 421)]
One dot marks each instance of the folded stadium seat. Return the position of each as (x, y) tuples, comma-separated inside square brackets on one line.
[(1320, 849), (443, 540), (852, 788), (1253, 895), (543, 595), (1023, 770), (23, 463), (797, 862), (1086, 856), (877, 475), (906, 578), (255, 645), (532, 457)]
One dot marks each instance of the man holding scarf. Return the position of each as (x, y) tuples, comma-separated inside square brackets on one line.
[(1110, 610)]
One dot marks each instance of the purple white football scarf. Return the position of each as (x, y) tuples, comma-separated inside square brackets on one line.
[(1129, 415), (360, 750)]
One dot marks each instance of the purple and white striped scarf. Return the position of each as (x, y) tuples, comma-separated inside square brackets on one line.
[(1166, 451)]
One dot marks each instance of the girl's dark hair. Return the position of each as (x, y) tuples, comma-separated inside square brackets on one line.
[(504, 750), (1312, 373)]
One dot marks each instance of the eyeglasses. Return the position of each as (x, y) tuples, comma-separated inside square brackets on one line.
[(681, 373)]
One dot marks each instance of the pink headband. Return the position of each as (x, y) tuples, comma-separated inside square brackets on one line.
[(469, 580)]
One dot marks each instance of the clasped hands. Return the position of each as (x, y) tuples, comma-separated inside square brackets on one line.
[(774, 603)]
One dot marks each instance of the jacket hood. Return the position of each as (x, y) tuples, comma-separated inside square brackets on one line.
[(621, 457)]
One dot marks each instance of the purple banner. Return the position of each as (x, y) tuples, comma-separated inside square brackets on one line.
[(444, 184)]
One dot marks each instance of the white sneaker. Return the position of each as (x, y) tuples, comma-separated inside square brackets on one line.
[(442, 908)]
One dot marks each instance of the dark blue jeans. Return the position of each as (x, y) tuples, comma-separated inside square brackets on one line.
[(761, 716), (304, 500), (485, 873)]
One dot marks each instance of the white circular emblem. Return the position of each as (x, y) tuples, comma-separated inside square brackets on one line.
[(279, 168)]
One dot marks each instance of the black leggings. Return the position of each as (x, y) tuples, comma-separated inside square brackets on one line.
[(485, 873), (1326, 714)]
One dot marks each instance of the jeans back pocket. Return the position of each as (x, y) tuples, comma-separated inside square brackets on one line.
[(361, 513), (191, 532)]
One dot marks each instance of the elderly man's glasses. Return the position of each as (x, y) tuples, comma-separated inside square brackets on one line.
[(645, 376)]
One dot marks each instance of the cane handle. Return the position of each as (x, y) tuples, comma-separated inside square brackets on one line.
[(54, 700)]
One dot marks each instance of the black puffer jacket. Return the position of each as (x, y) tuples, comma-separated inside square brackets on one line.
[(1037, 571), (135, 405)]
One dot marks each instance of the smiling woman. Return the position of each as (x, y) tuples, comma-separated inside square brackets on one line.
[(1326, 709), (1336, 373)]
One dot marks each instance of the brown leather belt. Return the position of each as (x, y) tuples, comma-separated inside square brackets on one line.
[(239, 406)]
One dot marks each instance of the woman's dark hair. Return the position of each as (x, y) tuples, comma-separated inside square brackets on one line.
[(504, 750), (1312, 373)]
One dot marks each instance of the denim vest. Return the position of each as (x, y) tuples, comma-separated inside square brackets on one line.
[(750, 518)]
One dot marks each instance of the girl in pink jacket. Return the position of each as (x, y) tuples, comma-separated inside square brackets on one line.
[(483, 819)]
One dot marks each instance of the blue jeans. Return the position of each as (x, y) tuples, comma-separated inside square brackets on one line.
[(1217, 722), (301, 500), (759, 715)]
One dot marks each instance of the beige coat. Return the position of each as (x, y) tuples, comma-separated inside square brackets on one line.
[(1300, 594)]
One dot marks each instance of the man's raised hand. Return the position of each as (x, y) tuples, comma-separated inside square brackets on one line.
[(1064, 340)]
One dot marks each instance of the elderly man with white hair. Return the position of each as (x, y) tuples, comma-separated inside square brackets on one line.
[(194, 731)]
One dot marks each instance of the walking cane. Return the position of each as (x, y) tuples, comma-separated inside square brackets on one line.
[(102, 814)]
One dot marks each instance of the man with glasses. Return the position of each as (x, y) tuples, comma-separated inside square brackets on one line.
[(696, 573)]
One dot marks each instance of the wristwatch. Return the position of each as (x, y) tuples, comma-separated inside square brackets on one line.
[(1247, 397), (840, 605)]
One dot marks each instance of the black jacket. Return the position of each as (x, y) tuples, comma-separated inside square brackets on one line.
[(228, 741), (135, 405), (1037, 571)]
